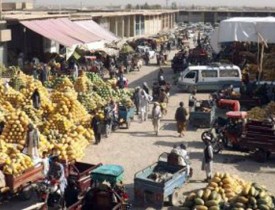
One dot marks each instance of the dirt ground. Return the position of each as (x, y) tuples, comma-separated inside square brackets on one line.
[(137, 147)]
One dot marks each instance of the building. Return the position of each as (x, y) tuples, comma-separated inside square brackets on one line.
[(32, 42), (189, 15)]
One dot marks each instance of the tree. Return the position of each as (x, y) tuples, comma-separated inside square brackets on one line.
[(129, 6), (137, 6), (146, 6), (174, 5)]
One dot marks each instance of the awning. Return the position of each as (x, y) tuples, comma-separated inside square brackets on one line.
[(93, 27), (62, 30)]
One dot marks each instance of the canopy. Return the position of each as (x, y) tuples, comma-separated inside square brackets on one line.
[(62, 30), (94, 28), (245, 29)]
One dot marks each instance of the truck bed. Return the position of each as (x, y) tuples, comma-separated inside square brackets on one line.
[(148, 190), (258, 135), (30, 175), (81, 172)]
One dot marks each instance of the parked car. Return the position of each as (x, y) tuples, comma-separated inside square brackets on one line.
[(143, 49), (209, 78)]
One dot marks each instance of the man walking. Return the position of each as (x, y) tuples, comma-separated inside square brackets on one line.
[(180, 117), (156, 115), (207, 162), (143, 102)]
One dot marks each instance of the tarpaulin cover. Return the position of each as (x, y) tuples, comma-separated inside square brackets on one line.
[(62, 30), (93, 27), (245, 29), (109, 172)]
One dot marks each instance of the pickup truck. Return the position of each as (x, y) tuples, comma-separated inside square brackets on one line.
[(159, 182)]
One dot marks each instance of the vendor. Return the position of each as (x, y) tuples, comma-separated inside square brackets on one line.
[(32, 141), (192, 100)]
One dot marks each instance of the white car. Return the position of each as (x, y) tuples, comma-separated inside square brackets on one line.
[(143, 49)]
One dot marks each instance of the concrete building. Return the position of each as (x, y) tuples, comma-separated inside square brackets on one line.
[(134, 23), (122, 24), (212, 16)]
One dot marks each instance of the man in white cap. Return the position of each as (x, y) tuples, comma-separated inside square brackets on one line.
[(156, 115)]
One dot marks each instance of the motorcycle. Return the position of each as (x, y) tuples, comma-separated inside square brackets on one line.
[(49, 192), (212, 133)]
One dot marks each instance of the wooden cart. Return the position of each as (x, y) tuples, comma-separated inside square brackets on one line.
[(22, 184)]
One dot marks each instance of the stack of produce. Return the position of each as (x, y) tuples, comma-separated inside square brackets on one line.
[(82, 84), (63, 83), (16, 82), (71, 145), (34, 114), (87, 100), (67, 105), (95, 78), (261, 114), (225, 191), (16, 162), (3, 152), (15, 127), (59, 123), (15, 98), (253, 196), (105, 92)]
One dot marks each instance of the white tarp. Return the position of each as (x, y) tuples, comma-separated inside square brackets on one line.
[(245, 29)]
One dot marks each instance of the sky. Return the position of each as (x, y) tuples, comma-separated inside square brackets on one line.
[(249, 3)]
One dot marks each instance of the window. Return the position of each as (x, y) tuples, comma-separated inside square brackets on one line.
[(209, 73), (229, 73), (191, 75)]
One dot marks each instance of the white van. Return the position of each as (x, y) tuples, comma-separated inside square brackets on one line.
[(209, 78)]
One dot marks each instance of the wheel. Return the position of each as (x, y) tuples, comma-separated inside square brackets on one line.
[(190, 89), (217, 146), (107, 131), (128, 124), (207, 136), (261, 155), (26, 193), (174, 198)]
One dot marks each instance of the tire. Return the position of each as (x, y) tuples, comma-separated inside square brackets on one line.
[(217, 146), (261, 156), (206, 134), (26, 194), (190, 89), (128, 124), (174, 198), (107, 131)]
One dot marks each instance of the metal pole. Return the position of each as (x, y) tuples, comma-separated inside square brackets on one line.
[(1, 9)]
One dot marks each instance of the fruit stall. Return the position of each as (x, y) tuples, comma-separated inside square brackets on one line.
[(63, 119), (229, 192)]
